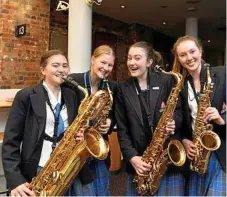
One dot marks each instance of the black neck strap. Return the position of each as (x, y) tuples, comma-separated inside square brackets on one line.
[(55, 139)]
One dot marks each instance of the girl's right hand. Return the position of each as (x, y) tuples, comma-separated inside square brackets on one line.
[(142, 168), (80, 134), (190, 148), (22, 190)]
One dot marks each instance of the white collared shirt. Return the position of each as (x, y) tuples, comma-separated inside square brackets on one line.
[(192, 105), (49, 129)]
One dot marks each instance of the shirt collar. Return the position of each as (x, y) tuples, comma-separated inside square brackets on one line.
[(52, 98)]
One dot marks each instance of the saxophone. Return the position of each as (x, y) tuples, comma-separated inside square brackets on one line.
[(154, 154), (70, 155), (203, 136)]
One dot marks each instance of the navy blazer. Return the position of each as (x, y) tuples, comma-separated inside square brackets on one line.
[(24, 132), (218, 100), (132, 137)]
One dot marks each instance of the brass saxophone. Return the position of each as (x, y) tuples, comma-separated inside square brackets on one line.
[(70, 155), (154, 154), (203, 136)]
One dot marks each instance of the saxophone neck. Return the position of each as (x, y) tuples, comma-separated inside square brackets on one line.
[(71, 81), (178, 77), (209, 83), (108, 89)]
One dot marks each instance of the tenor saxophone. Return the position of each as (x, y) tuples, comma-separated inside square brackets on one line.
[(70, 155), (155, 153), (204, 138)]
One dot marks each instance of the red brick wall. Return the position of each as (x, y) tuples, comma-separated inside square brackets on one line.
[(19, 57)]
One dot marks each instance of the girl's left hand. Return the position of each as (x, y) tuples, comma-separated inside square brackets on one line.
[(103, 129), (170, 127), (212, 114)]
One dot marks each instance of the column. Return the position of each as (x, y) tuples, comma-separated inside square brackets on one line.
[(191, 27), (79, 35)]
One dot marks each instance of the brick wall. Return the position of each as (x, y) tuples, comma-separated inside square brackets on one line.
[(20, 56)]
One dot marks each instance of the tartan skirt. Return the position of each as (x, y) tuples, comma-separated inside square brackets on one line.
[(170, 185), (101, 177), (213, 183)]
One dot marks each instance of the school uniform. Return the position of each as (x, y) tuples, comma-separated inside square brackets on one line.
[(135, 128), (213, 182), (98, 168), (23, 143)]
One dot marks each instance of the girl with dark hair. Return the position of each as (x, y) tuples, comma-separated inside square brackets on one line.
[(139, 104), (30, 128), (188, 60)]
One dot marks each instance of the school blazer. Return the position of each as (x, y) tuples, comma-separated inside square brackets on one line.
[(25, 127), (218, 100), (132, 137)]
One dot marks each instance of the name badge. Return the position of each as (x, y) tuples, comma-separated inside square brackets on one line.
[(155, 88)]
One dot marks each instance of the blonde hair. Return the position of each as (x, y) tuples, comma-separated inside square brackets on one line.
[(176, 63), (103, 49)]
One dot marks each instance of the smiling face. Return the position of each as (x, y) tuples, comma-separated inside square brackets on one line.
[(138, 63), (55, 68), (102, 65), (189, 55)]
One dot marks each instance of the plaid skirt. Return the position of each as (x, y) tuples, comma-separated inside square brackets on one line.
[(101, 177), (170, 185), (213, 183)]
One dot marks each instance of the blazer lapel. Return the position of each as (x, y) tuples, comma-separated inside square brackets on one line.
[(186, 106), (155, 89), (39, 105), (134, 100)]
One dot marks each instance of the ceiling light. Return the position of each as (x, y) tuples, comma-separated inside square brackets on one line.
[(208, 40), (191, 9), (164, 23), (122, 6)]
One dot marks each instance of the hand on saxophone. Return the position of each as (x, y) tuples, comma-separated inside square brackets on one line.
[(170, 127), (22, 190), (104, 128), (212, 114), (190, 148), (142, 168)]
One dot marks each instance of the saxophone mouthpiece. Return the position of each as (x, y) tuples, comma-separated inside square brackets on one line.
[(70, 81), (157, 68)]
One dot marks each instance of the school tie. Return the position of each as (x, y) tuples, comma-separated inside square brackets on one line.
[(60, 120)]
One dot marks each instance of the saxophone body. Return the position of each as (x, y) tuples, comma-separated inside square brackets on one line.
[(203, 136), (70, 155), (155, 153)]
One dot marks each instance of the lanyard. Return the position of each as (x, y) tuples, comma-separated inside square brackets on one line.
[(88, 82), (55, 139)]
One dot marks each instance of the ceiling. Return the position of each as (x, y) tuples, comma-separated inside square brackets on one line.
[(211, 16)]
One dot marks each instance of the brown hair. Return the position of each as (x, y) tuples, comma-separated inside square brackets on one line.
[(103, 49), (150, 52), (45, 57), (176, 64)]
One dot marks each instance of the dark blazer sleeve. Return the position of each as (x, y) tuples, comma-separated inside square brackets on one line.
[(13, 136), (127, 148)]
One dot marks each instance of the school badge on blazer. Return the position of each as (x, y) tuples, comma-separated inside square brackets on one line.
[(162, 107), (223, 108)]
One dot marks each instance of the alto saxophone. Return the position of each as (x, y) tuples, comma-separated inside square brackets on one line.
[(204, 138), (70, 155), (155, 154)]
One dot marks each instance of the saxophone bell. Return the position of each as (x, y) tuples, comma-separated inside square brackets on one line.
[(210, 140), (176, 153)]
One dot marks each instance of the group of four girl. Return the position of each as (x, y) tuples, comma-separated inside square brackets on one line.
[(26, 147)]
